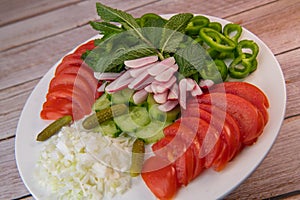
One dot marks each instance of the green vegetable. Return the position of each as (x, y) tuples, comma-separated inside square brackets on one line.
[(108, 128), (137, 159), (234, 29), (216, 40), (152, 132), (216, 26), (215, 71), (136, 118), (247, 44), (54, 127), (195, 24), (103, 115), (101, 103), (173, 32), (238, 69)]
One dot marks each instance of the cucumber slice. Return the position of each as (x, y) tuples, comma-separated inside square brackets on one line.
[(108, 128), (125, 123), (151, 101), (137, 117), (152, 132), (101, 103), (140, 116), (156, 114), (122, 96)]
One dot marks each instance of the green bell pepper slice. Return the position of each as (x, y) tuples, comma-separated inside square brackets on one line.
[(239, 69), (195, 24), (216, 40), (234, 29), (247, 44), (216, 71)]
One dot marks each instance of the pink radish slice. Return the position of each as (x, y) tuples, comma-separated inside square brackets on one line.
[(161, 97), (174, 92), (196, 91), (160, 87), (182, 93), (165, 75), (148, 88), (102, 87), (175, 67), (190, 84), (168, 106), (138, 80), (106, 76), (205, 84), (136, 63), (140, 96), (136, 72), (120, 83), (161, 66), (145, 83)]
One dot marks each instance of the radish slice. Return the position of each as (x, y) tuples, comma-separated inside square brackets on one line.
[(174, 92), (102, 87), (106, 76), (165, 75), (161, 66), (197, 90), (138, 80), (205, 84), (136, 63), (182, 93), (148, 88), (136, 72), (169, 105), (175, 67), (140, 96), (145, 83), (159, 87), (120, 83), (190, 84), (161, 97)]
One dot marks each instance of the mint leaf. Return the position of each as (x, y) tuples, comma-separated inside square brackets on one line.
[(173, 32), (105, 28), (114, 15), (191, 58)]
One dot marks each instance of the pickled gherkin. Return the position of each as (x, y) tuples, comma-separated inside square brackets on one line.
[(137, 159), (54, 127)]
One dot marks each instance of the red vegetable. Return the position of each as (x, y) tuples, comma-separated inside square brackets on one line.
[(73, 89), (210, 133)]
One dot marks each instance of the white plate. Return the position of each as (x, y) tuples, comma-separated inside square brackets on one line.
[(210, 184)]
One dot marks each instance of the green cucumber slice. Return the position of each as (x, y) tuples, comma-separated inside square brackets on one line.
[(108, 128)]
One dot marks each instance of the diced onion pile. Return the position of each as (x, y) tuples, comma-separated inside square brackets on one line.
[(84, 165)]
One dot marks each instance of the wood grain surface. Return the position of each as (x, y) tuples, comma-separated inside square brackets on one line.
[(35, 34)]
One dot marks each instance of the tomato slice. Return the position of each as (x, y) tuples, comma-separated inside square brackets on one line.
[(198, 162), (75, 81), (245, 114), (160, 177), (87, 46)]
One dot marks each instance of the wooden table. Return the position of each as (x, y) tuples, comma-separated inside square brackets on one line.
[(34, 34)]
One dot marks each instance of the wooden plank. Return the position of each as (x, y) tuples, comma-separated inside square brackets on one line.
[(57, 21), (273, 24), (215, 8), (15, 10), (11, 183), (289, 62), (12, 101), (279, 172)]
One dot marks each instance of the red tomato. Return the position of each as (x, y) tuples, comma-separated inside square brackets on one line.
[(247, 91), (87, 46), (160, 177), (244, 113), (75, 81)]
